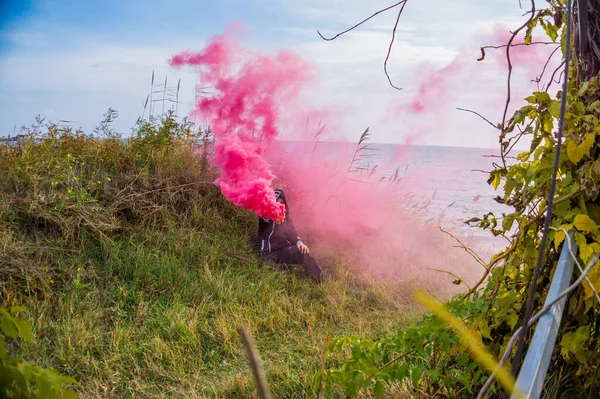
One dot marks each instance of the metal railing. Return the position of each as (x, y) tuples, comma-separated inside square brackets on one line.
[(533, 372)]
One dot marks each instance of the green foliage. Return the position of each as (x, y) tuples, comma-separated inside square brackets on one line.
[(65, 186), (137, 271), (428, 356), (23, 379)]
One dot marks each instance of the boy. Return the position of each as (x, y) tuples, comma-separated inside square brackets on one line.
[(280, 244)]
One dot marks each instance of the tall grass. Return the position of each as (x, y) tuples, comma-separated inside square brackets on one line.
[(137, 272)]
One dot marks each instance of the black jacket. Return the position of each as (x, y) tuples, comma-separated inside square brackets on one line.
[(273, 236)]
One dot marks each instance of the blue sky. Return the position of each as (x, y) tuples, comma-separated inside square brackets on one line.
[(71, 60)]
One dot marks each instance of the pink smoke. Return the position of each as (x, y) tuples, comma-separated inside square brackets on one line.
[(337, 204), (479, 86), (244, 112)]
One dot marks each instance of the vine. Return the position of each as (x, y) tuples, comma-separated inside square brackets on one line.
[(432, 359)]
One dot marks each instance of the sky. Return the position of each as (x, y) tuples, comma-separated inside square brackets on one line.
[(72, 60)]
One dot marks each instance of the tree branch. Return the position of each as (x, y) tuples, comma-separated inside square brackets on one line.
[(361, 22), (508, 79), (458, 279), (506, 45), (482, 117), (467, 249), (401, 4)]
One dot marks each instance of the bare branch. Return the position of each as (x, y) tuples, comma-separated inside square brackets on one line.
[(509, 45), (482, 117), (560, 68), (539, 78), (361, 22), (467, 249), (387, 57), (458, 280), (508, 79)]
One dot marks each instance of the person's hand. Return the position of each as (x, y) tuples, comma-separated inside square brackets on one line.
[(302, 247)]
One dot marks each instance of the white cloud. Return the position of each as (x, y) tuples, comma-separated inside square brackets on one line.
[(80, 82), (431, 35)]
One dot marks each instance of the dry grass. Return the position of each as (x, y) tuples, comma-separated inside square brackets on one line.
[(137, 272)]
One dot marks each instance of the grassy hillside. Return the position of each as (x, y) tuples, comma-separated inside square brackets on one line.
[(137, 272)]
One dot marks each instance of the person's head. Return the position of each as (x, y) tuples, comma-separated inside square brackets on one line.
[(279, 197)]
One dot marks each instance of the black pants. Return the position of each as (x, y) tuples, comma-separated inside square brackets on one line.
[(292, 256)]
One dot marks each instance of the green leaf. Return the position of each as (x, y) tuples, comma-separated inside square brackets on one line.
[(541, 96), (357, 381), (589, 251), (7, 324), (379, 389), (551, 31), (547, 123), (465, 379), (434, 374), (484, 329), (531, 99), (26, 369), (574, 343), (401, 372), (584, 223), (554, 109), (444, 340), (69, 394), (508, 221), (583, 88), (417, 372), (18, 379), (44, 385), (18, 309), (24, 329), (2, 347)]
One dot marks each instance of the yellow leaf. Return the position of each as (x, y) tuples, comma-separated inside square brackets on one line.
[(572, 150), (576, 151), (554, 109), (496, 181), (483, 328), (584, 223), (588, 251), (594, 277), (589, 293), (559, 237), (547, 123), (512, 319)]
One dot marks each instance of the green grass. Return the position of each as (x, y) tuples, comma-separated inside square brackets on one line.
[(138, 273), (159, 318)]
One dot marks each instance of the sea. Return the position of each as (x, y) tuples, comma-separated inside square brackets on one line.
[(452, 179), (451, 182)]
